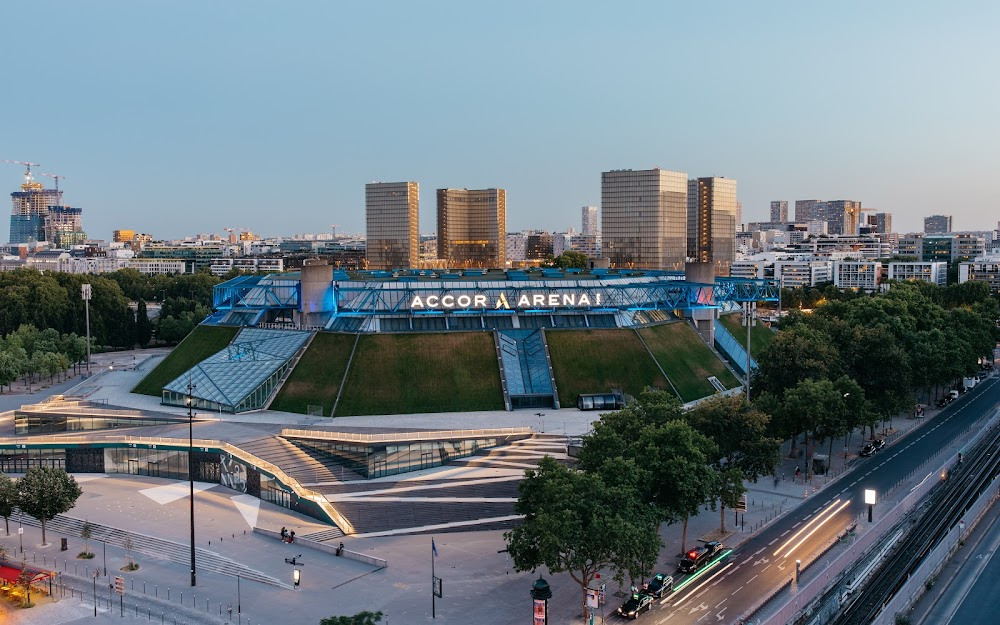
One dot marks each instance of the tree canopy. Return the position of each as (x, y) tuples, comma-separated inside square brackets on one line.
[(44, 492)]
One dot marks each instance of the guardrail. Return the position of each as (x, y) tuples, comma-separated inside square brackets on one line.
[(901, 505), (403, 436), (300, 491), (378, 563)]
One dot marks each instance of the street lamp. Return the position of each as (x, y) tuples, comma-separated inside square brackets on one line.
[(85, 293), (541, 418), (870, 500), (540, 595), (190, 406)]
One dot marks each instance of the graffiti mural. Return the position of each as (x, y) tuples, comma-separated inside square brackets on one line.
[(233, 473)]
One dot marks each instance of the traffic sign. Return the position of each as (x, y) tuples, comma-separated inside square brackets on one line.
[(119, 584), (20, 530)]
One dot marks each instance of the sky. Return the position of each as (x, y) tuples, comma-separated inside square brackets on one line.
[(191, 116)]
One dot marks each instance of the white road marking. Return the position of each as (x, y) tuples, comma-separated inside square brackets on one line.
[(774, 541)]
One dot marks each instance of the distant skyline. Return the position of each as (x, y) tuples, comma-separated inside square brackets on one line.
[(195, 117)]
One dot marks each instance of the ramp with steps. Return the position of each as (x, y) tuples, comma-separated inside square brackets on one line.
[(469, 494), (728, 344), (526, 368), (151, 546), (302, 464)]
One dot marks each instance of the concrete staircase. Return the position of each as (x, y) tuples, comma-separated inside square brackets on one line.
[(304, 465), (150, 546)]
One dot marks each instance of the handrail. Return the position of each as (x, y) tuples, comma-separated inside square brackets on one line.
[(299, 490), (403, 436)]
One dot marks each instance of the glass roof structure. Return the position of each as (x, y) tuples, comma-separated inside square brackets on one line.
[(242, 376)]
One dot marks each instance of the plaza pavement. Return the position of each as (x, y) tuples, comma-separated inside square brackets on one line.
[(478, 580)]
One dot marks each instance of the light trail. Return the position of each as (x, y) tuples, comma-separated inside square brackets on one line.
[(804, 528), (806, 537), (699, 586)]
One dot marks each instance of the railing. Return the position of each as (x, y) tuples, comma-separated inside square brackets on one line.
[(403, 436), (901, 504), (300, 491)]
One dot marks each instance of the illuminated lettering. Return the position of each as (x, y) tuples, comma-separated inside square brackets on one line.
[(417, 302), (479, 301), (502, 302), (448, 301), (464, 301), (538, 299), (597, 299), (583, 301), (524, 302), (432, 301), (553, 299)]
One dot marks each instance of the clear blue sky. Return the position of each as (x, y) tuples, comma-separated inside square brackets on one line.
[(185, 117)]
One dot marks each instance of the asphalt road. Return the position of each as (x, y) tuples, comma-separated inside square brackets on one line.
[(727, 589)]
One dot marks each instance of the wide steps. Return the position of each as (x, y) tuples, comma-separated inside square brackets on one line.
[(149, 546), (330, 534)]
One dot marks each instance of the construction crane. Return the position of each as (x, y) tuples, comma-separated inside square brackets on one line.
[(28, 166), (56, 177), (334, 226)]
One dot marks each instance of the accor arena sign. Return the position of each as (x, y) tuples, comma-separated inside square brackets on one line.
[(501, 302)]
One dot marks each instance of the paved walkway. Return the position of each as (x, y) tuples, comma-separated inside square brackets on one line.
[(479, 584)]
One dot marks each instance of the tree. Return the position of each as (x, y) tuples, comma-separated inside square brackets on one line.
[(9, 369), (24, 580), (130, 564), (812, 402), (577, 523), (571, 260), (8, 499), (143, 326), (44, 492), (86, 532), (361, 618), (740, 433)]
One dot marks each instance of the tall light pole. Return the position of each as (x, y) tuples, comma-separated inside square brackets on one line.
[(85, 293), (541, 419), (190, 405), (749, 319)]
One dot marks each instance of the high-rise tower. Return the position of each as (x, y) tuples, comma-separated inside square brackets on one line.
[(472, 227), (391, 225), (589, 221), (779, 211), (644, 218), (30, 207), (712, 222)]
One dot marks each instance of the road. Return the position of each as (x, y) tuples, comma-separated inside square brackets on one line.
[(730, 587)]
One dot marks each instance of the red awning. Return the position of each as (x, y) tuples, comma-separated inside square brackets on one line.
[(10, 574)]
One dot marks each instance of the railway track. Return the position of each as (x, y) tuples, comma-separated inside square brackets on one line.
[(936, 517)]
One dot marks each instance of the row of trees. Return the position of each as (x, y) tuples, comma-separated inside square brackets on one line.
[(647, 464), (42, 493), (860, 359), (29, 352), (52, 301)]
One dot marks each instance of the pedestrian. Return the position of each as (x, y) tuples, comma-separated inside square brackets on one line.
[(797, 471), (284, 534), (340, 549), (291, 536)]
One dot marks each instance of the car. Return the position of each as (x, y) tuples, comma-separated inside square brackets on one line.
[(694, 558), (635, 605), (879, 444), (868, 450), (659, 585), (941, 403)]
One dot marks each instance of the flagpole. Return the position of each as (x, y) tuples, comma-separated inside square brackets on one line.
[(433, 595)]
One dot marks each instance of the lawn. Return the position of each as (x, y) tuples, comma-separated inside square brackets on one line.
[(413, 373), (687, 360), (760, 335), (317, 376), (197, 346), (596, 361)]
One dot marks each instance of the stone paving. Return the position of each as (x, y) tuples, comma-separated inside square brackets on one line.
[(479, 584)]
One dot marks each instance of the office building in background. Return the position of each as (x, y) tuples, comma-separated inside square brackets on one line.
[(391, 221), (590, 223), (779, 211), (472, 227), (644, 218), (711, 222), (937, 224)]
